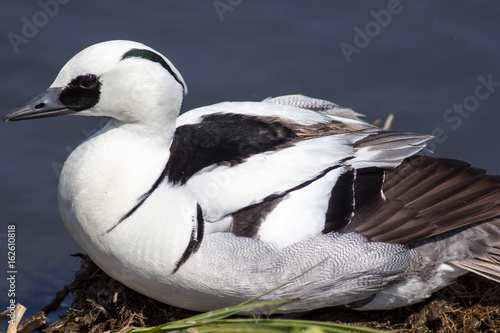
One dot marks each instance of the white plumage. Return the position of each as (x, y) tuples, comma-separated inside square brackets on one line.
[(228, 201)]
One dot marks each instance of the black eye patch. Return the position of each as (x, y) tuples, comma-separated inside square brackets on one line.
[(81, 93)]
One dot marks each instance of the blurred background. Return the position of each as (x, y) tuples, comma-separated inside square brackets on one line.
[(433, 64)]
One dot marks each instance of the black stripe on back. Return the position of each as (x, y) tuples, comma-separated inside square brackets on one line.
[(223, 137), (218, 138), (195, 241), (155, 57)]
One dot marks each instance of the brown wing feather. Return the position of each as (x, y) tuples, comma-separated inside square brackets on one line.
[(426, 197)]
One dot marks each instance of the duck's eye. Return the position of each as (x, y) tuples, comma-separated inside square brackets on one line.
[(88, 81)]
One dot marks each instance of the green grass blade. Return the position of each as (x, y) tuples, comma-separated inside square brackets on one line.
[(214, 322), (212, 316), (302, 324)]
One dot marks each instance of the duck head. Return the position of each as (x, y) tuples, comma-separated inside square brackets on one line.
[(124, 80)]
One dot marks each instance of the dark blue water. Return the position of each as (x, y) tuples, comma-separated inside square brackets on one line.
[(428, 63)]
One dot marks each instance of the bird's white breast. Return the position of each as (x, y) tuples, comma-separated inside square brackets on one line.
[(102, 180)]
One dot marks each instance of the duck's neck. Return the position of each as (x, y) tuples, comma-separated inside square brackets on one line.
[(106, 176)]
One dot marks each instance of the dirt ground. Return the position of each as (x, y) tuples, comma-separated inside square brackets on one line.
[(101, 304)]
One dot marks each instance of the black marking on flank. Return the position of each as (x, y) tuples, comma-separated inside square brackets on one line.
[(81, 93), (274, 198), (341, 203), (246, 223), (194, 242), (155, 57), (223, 137), (368, 186), (354, 194)]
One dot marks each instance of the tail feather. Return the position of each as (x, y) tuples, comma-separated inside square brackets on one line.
[(481, 266)]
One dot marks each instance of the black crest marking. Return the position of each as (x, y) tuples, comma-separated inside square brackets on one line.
[(194, 242), (81, 93), (222, 138), (155, 57)]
